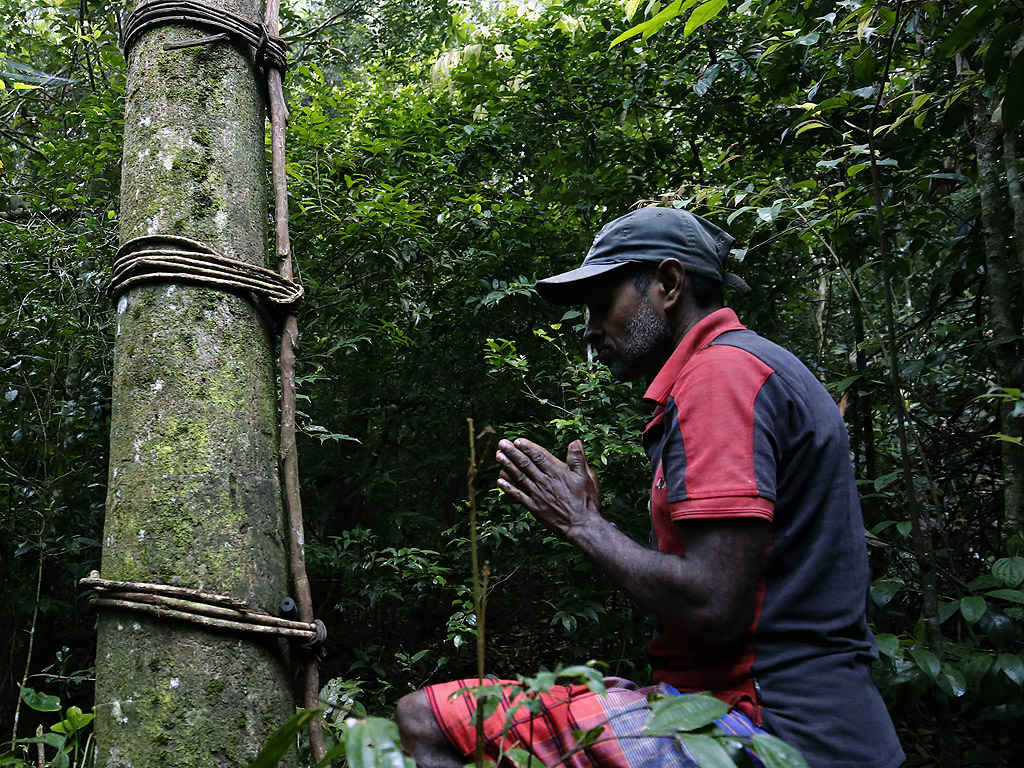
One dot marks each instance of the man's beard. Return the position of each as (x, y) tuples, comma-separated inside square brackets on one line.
[(642, 347)]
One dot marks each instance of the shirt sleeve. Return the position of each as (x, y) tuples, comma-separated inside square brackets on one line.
[(719, 456)]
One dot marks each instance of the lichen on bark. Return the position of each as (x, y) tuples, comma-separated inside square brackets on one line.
[(193, 496)]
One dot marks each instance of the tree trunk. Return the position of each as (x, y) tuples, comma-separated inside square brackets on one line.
[(1000, 288), (194, 496)]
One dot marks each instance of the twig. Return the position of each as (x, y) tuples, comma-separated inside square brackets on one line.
[(203, 621), (31, 632), (479, 590), (289, 343)]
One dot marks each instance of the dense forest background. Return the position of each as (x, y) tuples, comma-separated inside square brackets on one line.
[(444, 155)]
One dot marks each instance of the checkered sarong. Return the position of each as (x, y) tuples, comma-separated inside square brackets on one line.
[(567, 710)]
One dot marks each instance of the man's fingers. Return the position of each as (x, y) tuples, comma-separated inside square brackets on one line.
[(517, 494), (515, 460), (538, 454), (511, 471)]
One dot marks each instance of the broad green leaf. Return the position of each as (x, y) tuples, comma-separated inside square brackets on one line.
[(975, 666), (951, 681), (702, 14), (775, 753), (1010, 570), (889, 645), (1012, 666), (335, 752), (373, 743), (1013, 595), (708, 752), (684, 713), (884, 481), (521, 758), (810, 125), (926, 661), (993, 61), (57, 741), (652, 25), (965, 32), (972, 608), (883, 591), (1013, 98), (947, 609), (586, 738), (282, 739), (41, 702)]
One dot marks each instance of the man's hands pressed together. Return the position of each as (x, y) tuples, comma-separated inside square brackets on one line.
[(562, 495), (710, 589)]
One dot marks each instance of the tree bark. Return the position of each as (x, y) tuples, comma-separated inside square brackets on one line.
[(1000, 289), (194, 497)]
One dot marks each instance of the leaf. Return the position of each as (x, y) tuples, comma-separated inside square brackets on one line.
[(1010, 570), (993, 62), (41, 702), (775, 753), (1013, 595), (972, 608), (927, 662), (702, 14), (975, 666), (947, 609), (964, 33), (338, 750), (49, 739), (1012, 667), (652, 25), (1013, 99), (952, 682), (883, 591), (282, 739), (520, 758), (684, 713), (708, 752), (373, 743), (888, 645)]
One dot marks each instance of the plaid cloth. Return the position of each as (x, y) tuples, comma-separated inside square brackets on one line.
[(552, 733)]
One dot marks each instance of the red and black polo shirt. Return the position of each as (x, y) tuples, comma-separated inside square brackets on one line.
[(743, 429)]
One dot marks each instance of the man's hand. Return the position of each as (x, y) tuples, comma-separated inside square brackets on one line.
[(562, 495)]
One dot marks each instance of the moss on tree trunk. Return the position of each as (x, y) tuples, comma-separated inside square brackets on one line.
[(194, 497)]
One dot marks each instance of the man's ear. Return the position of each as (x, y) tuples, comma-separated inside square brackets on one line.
[(670, 279)]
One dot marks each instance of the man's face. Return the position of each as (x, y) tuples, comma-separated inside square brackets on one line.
[(626, 332)]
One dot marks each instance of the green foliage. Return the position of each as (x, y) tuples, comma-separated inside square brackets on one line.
[(68, 738), (440, 160)]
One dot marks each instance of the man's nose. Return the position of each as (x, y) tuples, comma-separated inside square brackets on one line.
[(592, 331)]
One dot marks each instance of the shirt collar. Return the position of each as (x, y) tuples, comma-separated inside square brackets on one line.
[(700, 335)]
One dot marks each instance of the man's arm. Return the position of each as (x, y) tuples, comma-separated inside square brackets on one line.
[(710, 590)]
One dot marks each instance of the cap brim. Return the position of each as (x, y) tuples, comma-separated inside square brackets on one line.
[(576, 286)]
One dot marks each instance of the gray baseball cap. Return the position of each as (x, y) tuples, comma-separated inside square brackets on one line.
[(650, 234)]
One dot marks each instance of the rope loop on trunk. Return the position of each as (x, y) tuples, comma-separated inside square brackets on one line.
[(180, 259), (196, 606), (270, 48)]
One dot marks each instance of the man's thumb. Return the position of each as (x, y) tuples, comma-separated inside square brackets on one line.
[(577, 459)]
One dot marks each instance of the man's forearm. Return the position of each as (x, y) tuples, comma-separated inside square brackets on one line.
[(697, 593)]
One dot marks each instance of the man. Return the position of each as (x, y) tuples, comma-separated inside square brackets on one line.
[(759, 577)]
